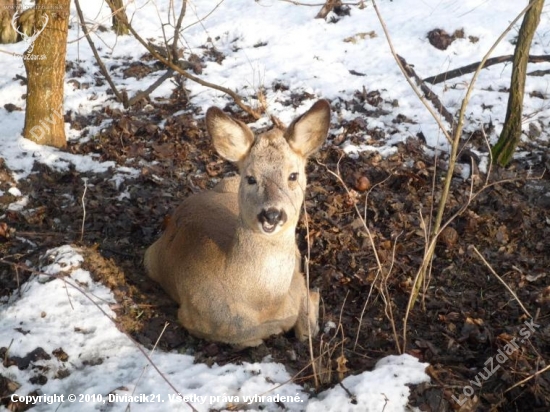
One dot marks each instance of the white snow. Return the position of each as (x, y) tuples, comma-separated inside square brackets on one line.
[(52, 314), (263, 41), (382, 389), (15, 191)]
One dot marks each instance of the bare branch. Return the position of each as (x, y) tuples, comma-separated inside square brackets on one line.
[(527, 379), (142, 94), (199, 21), (501, 281), (298, 3), (413, 86), (461, 71), (238, 101), (120, 97), (177, 29), (431, 96)]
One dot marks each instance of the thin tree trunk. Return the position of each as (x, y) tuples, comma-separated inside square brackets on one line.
[(45, 66), (7, 10), (119, 17), (511, 132)]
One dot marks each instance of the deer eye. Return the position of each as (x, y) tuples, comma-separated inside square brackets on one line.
[(293, 177), (251, 180)]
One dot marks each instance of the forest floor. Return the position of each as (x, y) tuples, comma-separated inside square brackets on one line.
[(463, 319)]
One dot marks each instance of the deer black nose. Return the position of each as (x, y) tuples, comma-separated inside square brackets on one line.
[(272, 216)]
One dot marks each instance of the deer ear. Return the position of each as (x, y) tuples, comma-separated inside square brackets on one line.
[(232, 138), (307, 133)]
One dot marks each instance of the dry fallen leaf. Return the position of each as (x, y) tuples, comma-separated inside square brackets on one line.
[(502, 234), (360, 36), (449, 236), (4, 231), (362, 183), (341, 368)]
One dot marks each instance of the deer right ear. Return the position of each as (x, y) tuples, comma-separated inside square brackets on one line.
[(307, 133), (232, 138)]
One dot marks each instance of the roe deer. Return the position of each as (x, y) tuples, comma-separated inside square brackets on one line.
[(228, 256)]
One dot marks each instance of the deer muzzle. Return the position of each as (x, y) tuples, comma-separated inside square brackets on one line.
[(271, 218)]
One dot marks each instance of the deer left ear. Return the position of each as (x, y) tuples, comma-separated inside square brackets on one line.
[(307, 133), (231, 137)]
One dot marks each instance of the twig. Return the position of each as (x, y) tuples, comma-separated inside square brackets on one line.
[(5, 362), (342, 310), (378, 271), (388, 308), (431, 96), (199, 21), (310, 338), (242, 406), (11, 53), (17, 280), (381, 271), (363, 221), (436, 229), (539, 73), (297, 3), (451, 74), (120, 97), (169, 55), (68, 295), (142, 94), (501, 281), (353, 398), (177, 29), (386, 400), (150, 354), (238, 101), (527, 379), (407, 78), (85, 179), (87, 296), (98, 24)]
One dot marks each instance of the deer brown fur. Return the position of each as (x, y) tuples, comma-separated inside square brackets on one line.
[(228, 256)]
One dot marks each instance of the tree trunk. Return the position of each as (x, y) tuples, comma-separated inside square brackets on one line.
[(7, 31), (45, 66), (119, 17), (511, 132)]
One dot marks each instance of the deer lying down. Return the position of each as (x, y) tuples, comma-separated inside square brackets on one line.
[(228, 256)]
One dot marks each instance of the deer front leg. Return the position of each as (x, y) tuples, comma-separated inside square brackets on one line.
[(307, 304)]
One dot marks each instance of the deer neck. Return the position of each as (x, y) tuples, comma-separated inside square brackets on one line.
[(267, 260)]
